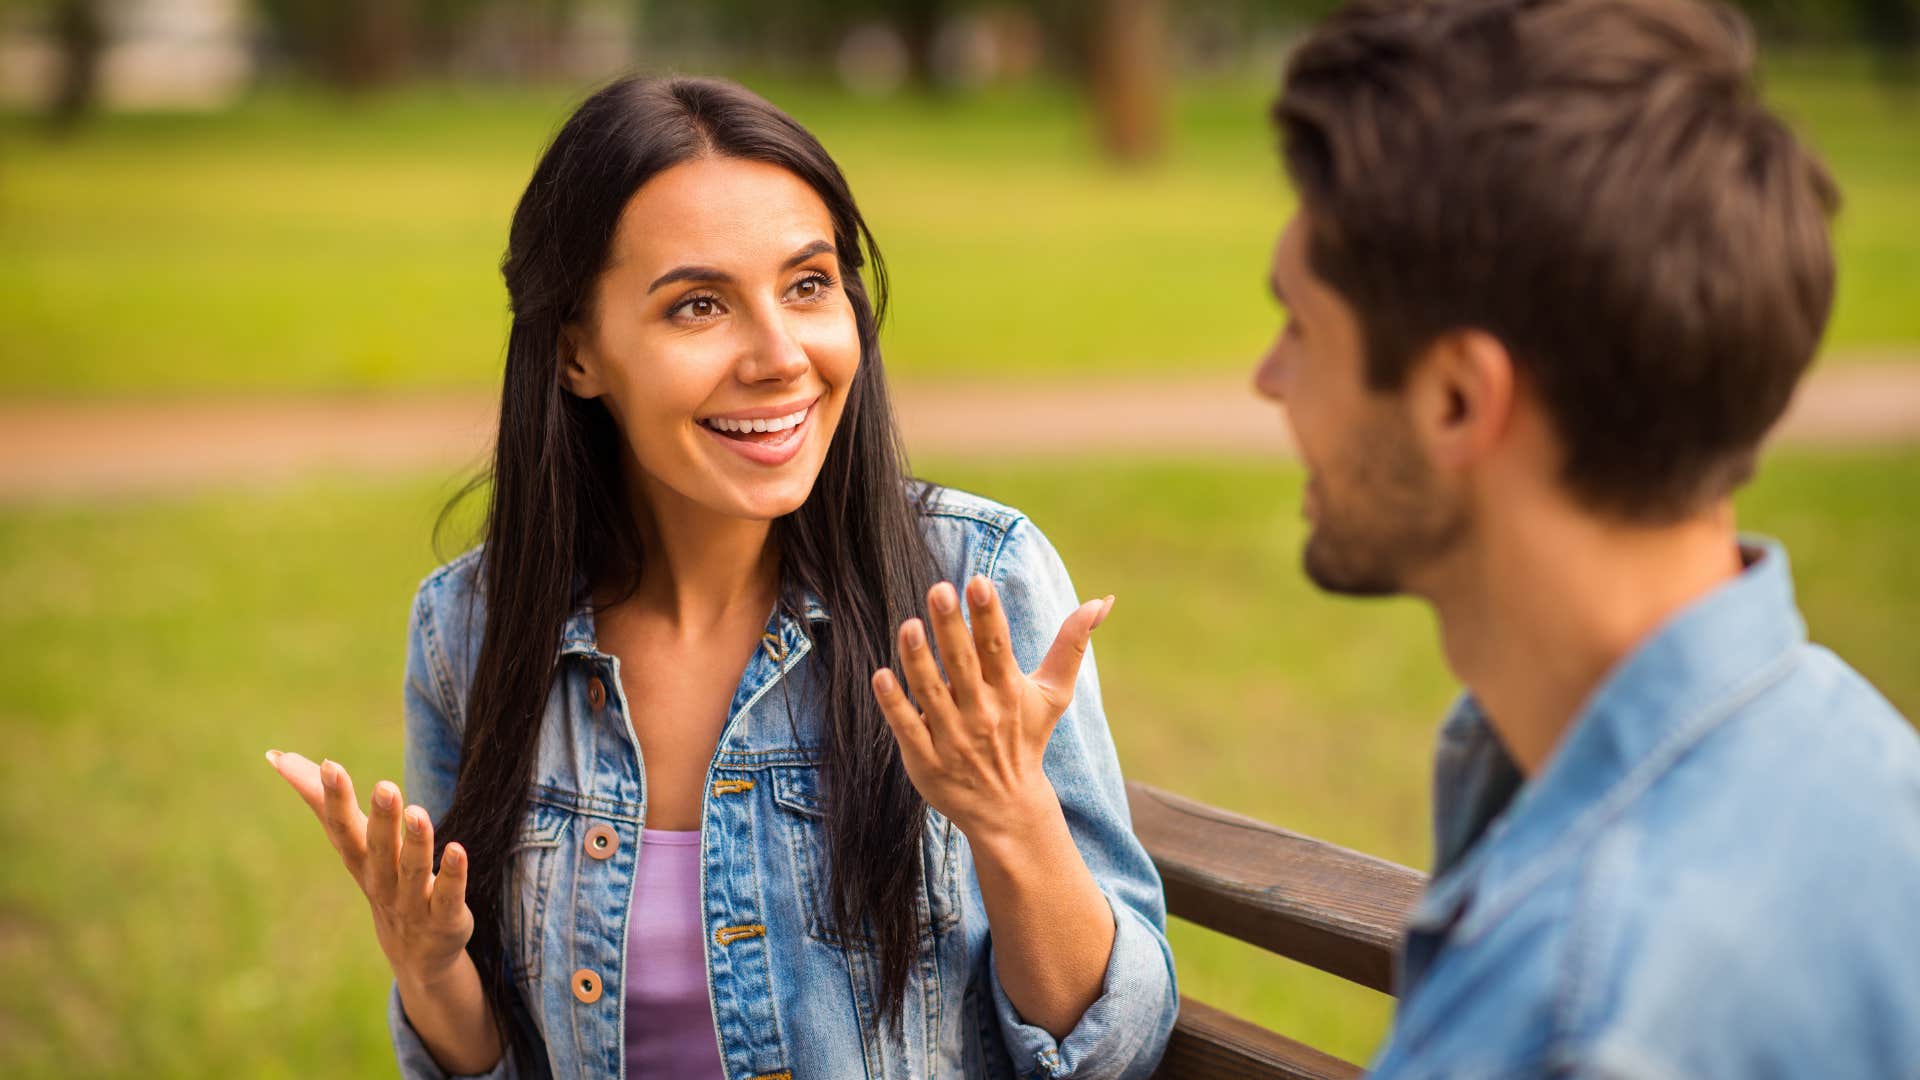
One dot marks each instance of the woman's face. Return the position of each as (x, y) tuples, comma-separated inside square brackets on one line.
[(721, 338)]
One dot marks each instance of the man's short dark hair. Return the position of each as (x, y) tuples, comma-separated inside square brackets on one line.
[(1596, 184)]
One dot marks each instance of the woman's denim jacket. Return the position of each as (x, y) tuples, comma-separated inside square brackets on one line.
[(791, 998)]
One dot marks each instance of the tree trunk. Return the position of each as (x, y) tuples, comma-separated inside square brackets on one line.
[(82, 34), (1128, 67)]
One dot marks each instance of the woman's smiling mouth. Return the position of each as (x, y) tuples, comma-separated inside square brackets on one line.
[(763, 436)]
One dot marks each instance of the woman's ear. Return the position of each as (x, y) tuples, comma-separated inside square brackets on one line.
[(579, 367)]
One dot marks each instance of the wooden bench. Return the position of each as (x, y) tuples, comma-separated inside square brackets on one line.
[(1302, 898)]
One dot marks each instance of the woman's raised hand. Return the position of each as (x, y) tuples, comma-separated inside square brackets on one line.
[(421, 917), (972, 743)]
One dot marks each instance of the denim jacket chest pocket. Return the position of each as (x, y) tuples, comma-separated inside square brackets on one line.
[(797, 794), (536, 852)]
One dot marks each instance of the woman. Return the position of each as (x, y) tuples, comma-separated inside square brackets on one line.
[(625, 852)]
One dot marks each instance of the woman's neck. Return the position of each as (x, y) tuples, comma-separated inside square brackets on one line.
[(701, 569)]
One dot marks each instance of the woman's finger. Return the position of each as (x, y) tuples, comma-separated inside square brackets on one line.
[(923, 678), (340, 813), (303, 776), (1057, 673), (380, 879), (992, 639), (449, 901), (905, 720), (956, 644), (416, 861)]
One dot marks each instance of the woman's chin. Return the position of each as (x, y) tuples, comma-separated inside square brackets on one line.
[(767, 501)]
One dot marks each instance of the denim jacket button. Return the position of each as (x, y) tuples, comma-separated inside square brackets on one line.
[(602, 841), (596, 693), (586, 986)]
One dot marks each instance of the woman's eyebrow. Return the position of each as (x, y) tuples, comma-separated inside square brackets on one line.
[(818, 247), (708, 273), (690, 273)]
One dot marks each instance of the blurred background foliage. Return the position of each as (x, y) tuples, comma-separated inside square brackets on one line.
[(299, 197)]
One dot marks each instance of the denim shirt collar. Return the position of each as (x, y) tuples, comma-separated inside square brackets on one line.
[(1497, 833)]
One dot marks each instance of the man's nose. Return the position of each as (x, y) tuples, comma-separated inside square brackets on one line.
[(1269, 375)]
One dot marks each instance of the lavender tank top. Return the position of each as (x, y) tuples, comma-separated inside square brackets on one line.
[(669, 1023)]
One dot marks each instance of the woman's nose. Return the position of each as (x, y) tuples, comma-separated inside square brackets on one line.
[(774, 354)]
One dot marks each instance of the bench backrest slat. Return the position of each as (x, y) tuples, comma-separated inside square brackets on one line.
[(1209, 1044), (1310, 901)]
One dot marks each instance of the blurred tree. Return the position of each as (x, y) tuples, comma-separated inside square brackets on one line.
[(80, 29), (1128, 69), (1892, 28), (353, 44)]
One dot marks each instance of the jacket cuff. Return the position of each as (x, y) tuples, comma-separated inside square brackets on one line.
[(1123, 1033), (416, 1063)]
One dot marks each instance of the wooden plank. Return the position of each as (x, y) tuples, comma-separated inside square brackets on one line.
[(1209, 1044), (1320, 904)]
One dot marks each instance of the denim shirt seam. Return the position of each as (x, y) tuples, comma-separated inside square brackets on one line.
[(1618, 799), (1001, 541), (437, 665), (1001, 521)]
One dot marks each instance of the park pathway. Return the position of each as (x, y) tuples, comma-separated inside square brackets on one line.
[(51, 449)]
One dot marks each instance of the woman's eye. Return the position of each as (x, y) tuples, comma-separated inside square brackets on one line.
[(811, 287), (695, 307)]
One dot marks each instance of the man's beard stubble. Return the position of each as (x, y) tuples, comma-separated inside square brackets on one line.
[(1379, 518)]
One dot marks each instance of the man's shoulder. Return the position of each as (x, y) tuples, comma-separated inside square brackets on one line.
[(1757, 907)]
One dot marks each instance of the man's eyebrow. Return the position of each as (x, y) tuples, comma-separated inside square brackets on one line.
[(690, 273), (818, 247), (708, 273)]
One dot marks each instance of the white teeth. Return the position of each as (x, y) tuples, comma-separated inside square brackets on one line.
[(781, 423)]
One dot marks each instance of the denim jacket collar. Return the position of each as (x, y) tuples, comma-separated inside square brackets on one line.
[(783, 633), (1497, 834)]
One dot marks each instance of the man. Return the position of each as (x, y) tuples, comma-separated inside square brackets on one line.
[(1555, 273)]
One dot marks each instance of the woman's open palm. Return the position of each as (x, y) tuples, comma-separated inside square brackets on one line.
[(973, 742), (421, 917)]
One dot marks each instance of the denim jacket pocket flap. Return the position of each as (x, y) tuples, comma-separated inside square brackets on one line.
[(542, 827), (532, 864), (797, 787)]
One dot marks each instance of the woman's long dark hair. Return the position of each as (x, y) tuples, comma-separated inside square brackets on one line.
[(559, 517)]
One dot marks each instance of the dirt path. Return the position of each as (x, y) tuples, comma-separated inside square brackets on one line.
[(51, 449)]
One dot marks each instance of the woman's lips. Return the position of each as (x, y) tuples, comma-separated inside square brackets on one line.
[(767, 448)]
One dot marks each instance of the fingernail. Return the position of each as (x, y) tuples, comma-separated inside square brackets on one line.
[(978, 591), (414, 818), (883, 681), (383, 796), (329, 774), (943, 598), (916, 637), (454, 854), (273, 758)]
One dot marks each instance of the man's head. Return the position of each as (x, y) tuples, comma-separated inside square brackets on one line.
[(1543, 245)]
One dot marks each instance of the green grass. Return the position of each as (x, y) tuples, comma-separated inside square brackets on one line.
[(299, 242), (168, 909)]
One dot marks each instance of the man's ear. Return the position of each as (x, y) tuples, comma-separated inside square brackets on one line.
[(1460, 395), (579, 367)]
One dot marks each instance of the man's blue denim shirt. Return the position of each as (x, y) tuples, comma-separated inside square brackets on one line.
[(794, 998), (1717, 873)]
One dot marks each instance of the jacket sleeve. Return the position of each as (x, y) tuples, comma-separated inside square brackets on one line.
[(431, 765), (1124, 1032)]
